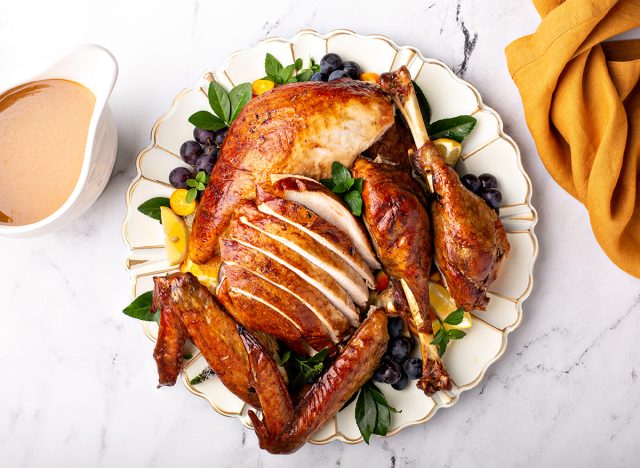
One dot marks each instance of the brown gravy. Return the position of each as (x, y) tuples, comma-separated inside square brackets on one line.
[(43, 135)]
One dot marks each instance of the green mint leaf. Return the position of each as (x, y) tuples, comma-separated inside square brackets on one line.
[(140, 308), (286, 74), (425, 109), (239, 96), (219, 101), (455, 317), (456, 334), (353, 200), (272, 67), (200, 176), (285, 357), (206, 374), (151, 207), (192, 182), (304, 75), (358, 184), (437, 339), (200, 186), (298, 64), (366, 413), (191, 195), (207, 121), (442, 346), (328, 183), (320, 356), (456, 128), (343, 186), (339, 173)]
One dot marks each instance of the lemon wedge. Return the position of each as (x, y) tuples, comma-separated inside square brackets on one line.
[(207, 273), (443, 305), (176, 235), (449, 150)]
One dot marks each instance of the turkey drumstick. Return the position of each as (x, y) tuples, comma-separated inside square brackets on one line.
[(470, 242)]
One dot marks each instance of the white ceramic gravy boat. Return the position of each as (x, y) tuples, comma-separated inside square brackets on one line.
[(95, 68)]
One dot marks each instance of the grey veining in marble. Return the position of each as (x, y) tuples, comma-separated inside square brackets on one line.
[(78, 380)]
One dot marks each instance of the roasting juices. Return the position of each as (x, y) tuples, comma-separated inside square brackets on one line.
[(43, 135)]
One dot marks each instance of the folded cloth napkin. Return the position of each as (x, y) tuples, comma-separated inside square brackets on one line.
[(581, 99)]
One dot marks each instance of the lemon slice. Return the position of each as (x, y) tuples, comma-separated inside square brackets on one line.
[(449, 150), (443, 305), (176, 235), (207, 273)]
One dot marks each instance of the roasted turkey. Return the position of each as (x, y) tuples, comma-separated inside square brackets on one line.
[(297, 267)]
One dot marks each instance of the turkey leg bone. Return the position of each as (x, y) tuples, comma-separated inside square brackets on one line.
[(470, 242)]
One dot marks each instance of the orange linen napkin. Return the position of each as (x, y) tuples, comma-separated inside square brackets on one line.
[(581, 100)]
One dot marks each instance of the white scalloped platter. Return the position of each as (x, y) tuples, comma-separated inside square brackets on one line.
[(487, 149)]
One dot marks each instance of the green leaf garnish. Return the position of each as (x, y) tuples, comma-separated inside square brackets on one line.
[(206, 374), (225, 106), (280, 74), (197, 184), (442, 336), (305, 370), (151, 207), (347, 187), (455, 128), (425, 108), (373, 412), (219, 101), (192, 194), (353, 199), (140, 308), (207, 121), (455, 317), (239, 96)]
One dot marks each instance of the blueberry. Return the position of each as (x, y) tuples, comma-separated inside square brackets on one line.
[(471, 182), (399, 348), (413, 368), (178, 177), (189, 152), (338, 74), (401, 383), (330, 63), (488, 181), (352, 68), (318, 76), (388, 372), (204, 137), (220, 134), (211, 150), (492, 196), (205, 163), (395, 325)]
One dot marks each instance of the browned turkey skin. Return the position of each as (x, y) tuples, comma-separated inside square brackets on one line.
[(297, 266), (469, 239)]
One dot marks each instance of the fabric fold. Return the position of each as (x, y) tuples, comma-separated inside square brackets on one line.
[(581, 99)]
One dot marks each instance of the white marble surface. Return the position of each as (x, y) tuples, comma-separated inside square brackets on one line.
[(78, 381)]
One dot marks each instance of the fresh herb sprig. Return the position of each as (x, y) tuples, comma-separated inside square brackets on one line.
[(442, 336), (206, 374), (373, 412), (197, 184), (456, 128), (225, 106), (304, 370), (151, 207), (345, 186), (293, 73), (140, 308)]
